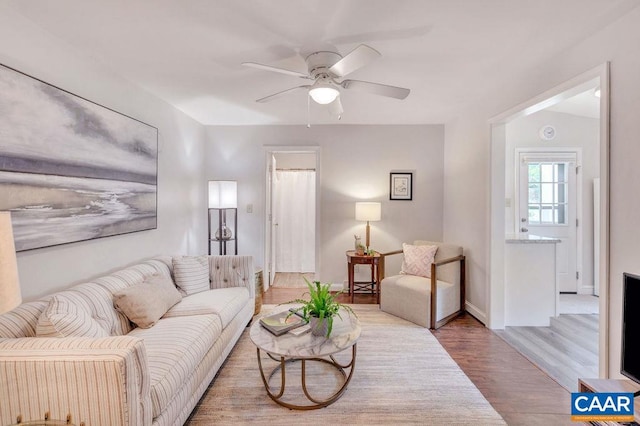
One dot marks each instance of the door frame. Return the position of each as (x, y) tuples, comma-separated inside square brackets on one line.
[(496, 220), (269, 150), (556, 151)]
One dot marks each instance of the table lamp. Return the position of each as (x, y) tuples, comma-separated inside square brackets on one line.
[(10, 296), (370, 212), (223, 194)]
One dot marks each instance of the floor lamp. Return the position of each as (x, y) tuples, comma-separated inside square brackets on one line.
[(223, 196), (10, 296), (369, 212)]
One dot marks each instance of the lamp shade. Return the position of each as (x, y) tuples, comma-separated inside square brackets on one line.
[(223, 194), (368, 211), (10, 296)]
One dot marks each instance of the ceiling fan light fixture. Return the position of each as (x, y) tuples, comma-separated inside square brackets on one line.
[(323, 94)]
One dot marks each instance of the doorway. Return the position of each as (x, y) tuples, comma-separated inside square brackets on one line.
[(503, 217), (547, 196), (291, 221)]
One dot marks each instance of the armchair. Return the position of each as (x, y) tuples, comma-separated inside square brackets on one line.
[(429, 302)]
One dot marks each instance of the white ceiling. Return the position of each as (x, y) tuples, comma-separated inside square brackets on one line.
[(585, 104), (449, 53)]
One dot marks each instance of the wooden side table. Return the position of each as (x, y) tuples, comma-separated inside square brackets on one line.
[(610, 386), (373, 260)]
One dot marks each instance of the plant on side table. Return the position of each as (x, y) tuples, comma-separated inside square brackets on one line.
[(320, 309)]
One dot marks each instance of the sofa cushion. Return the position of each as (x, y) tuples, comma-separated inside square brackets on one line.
[(128, 277), (23, 320), (191, 274), (175, 347), (231, 271), (64, 318), (223, 302), (146, 302), (418, 259), (409, 297)]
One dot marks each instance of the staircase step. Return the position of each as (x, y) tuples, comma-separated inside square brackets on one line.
[(579, 328), (561, 358)]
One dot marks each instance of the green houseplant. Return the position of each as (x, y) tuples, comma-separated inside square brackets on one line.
[(320, 309)]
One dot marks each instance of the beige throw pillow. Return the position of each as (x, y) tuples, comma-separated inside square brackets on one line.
[(64, 318), (418, 259), (191, 274), (145, 303)]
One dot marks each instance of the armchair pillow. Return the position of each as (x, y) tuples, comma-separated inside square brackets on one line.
[(145, 303), (418, 259), (191, 274), (63, 317)]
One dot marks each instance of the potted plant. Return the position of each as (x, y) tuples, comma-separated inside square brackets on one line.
[(320, 309)]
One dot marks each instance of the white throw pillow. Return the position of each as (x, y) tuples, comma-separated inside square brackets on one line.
[(191, 274), (145, 303), (63, 318), (418, 259)]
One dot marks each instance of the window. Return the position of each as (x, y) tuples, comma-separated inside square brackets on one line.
[(547, 201)]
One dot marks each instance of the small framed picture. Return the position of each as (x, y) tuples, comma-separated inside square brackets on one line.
[(401, 186)]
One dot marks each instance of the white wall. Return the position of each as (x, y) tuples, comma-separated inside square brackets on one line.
[(467, 165), (181, 189), (295, 160), (572, 132), (355, 162)]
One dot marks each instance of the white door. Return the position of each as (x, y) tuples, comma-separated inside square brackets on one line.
[(269, 255), (548, 207)]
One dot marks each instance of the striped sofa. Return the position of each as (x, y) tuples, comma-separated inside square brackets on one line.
[(134, 376)]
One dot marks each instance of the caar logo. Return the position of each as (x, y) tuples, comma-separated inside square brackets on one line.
[(614, 407)]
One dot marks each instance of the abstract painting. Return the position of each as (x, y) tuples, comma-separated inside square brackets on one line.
[(70, 169)]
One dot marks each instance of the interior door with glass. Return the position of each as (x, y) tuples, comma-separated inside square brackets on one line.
[(548, 208)]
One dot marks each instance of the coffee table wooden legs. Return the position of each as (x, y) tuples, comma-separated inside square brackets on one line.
[(316, 403)]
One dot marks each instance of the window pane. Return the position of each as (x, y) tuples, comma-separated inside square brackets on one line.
[(534, 193), (534, 172), (546, 171), (560, 217), (560, 172), (546, 193), (534, 214), (561, 193)]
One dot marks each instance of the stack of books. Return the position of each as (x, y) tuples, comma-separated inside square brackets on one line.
[(282, 322)]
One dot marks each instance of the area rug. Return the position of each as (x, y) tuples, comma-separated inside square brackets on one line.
[(402, 376)]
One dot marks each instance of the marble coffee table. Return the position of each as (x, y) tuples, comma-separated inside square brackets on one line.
[(288, 348)]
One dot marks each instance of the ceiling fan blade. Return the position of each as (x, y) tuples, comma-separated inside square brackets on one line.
[(275, 69), (335, 107), (356, 59), (376, 88), (284, 92)]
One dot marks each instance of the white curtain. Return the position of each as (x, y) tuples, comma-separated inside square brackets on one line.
[(295, 209)]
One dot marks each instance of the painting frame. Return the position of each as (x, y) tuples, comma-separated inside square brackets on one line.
[(401, 186), (71, 169)]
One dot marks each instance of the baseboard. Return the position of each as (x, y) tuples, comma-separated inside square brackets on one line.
[(338, 287), (476, 313), (586, 289)]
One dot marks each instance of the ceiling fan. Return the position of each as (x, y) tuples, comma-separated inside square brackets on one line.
[(326, 69)]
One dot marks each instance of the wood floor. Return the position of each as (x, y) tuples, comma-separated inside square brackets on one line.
[(567, 350), (292, 279), (518, 390)]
